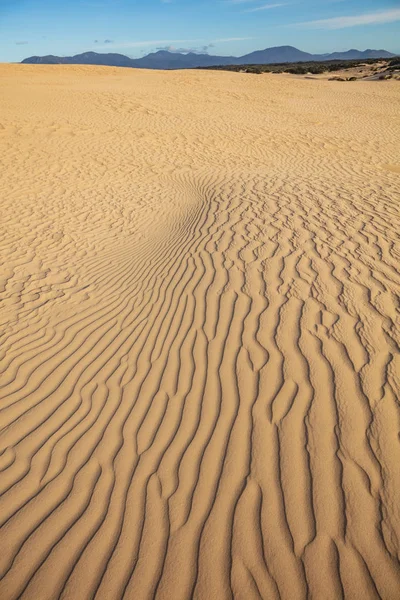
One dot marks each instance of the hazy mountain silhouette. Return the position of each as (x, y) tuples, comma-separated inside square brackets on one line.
[(164, 59)]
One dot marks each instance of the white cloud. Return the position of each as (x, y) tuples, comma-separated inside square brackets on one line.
[(147, 43), (266, 7), (385, 16), (165, 43), (195, 50), (232, 39), (257, 8)]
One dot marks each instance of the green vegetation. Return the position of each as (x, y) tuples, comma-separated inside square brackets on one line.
[(394, 64), (305, 68), (256, 70)]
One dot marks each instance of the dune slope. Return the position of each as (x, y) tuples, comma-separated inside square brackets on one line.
[(199, 308)]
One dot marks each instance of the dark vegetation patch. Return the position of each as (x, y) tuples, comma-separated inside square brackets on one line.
[(394, 64), (305, 68)]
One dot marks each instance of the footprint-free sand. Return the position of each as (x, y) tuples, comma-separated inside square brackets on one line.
[(199, 319)]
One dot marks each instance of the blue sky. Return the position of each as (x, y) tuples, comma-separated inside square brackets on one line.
[(223, 27)]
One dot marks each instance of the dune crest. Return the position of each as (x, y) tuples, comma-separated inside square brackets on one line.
[(199, 336)]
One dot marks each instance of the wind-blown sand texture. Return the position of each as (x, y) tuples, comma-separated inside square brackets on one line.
[(199, 336)]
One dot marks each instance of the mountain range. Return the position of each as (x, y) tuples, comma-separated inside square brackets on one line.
[(163, 59)]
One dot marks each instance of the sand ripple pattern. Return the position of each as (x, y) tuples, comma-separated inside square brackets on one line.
[(199, 361)]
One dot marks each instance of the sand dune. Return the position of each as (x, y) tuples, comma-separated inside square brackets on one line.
[(199, 336)]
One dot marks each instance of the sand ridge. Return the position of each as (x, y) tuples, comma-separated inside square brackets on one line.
[(199, 373)]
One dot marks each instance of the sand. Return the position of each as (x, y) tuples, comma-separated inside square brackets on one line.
[(199, 336)]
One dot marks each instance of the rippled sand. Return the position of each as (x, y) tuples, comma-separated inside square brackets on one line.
[(199, 336)]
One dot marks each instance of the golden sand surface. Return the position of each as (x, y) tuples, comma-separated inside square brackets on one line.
[(199, 313)]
